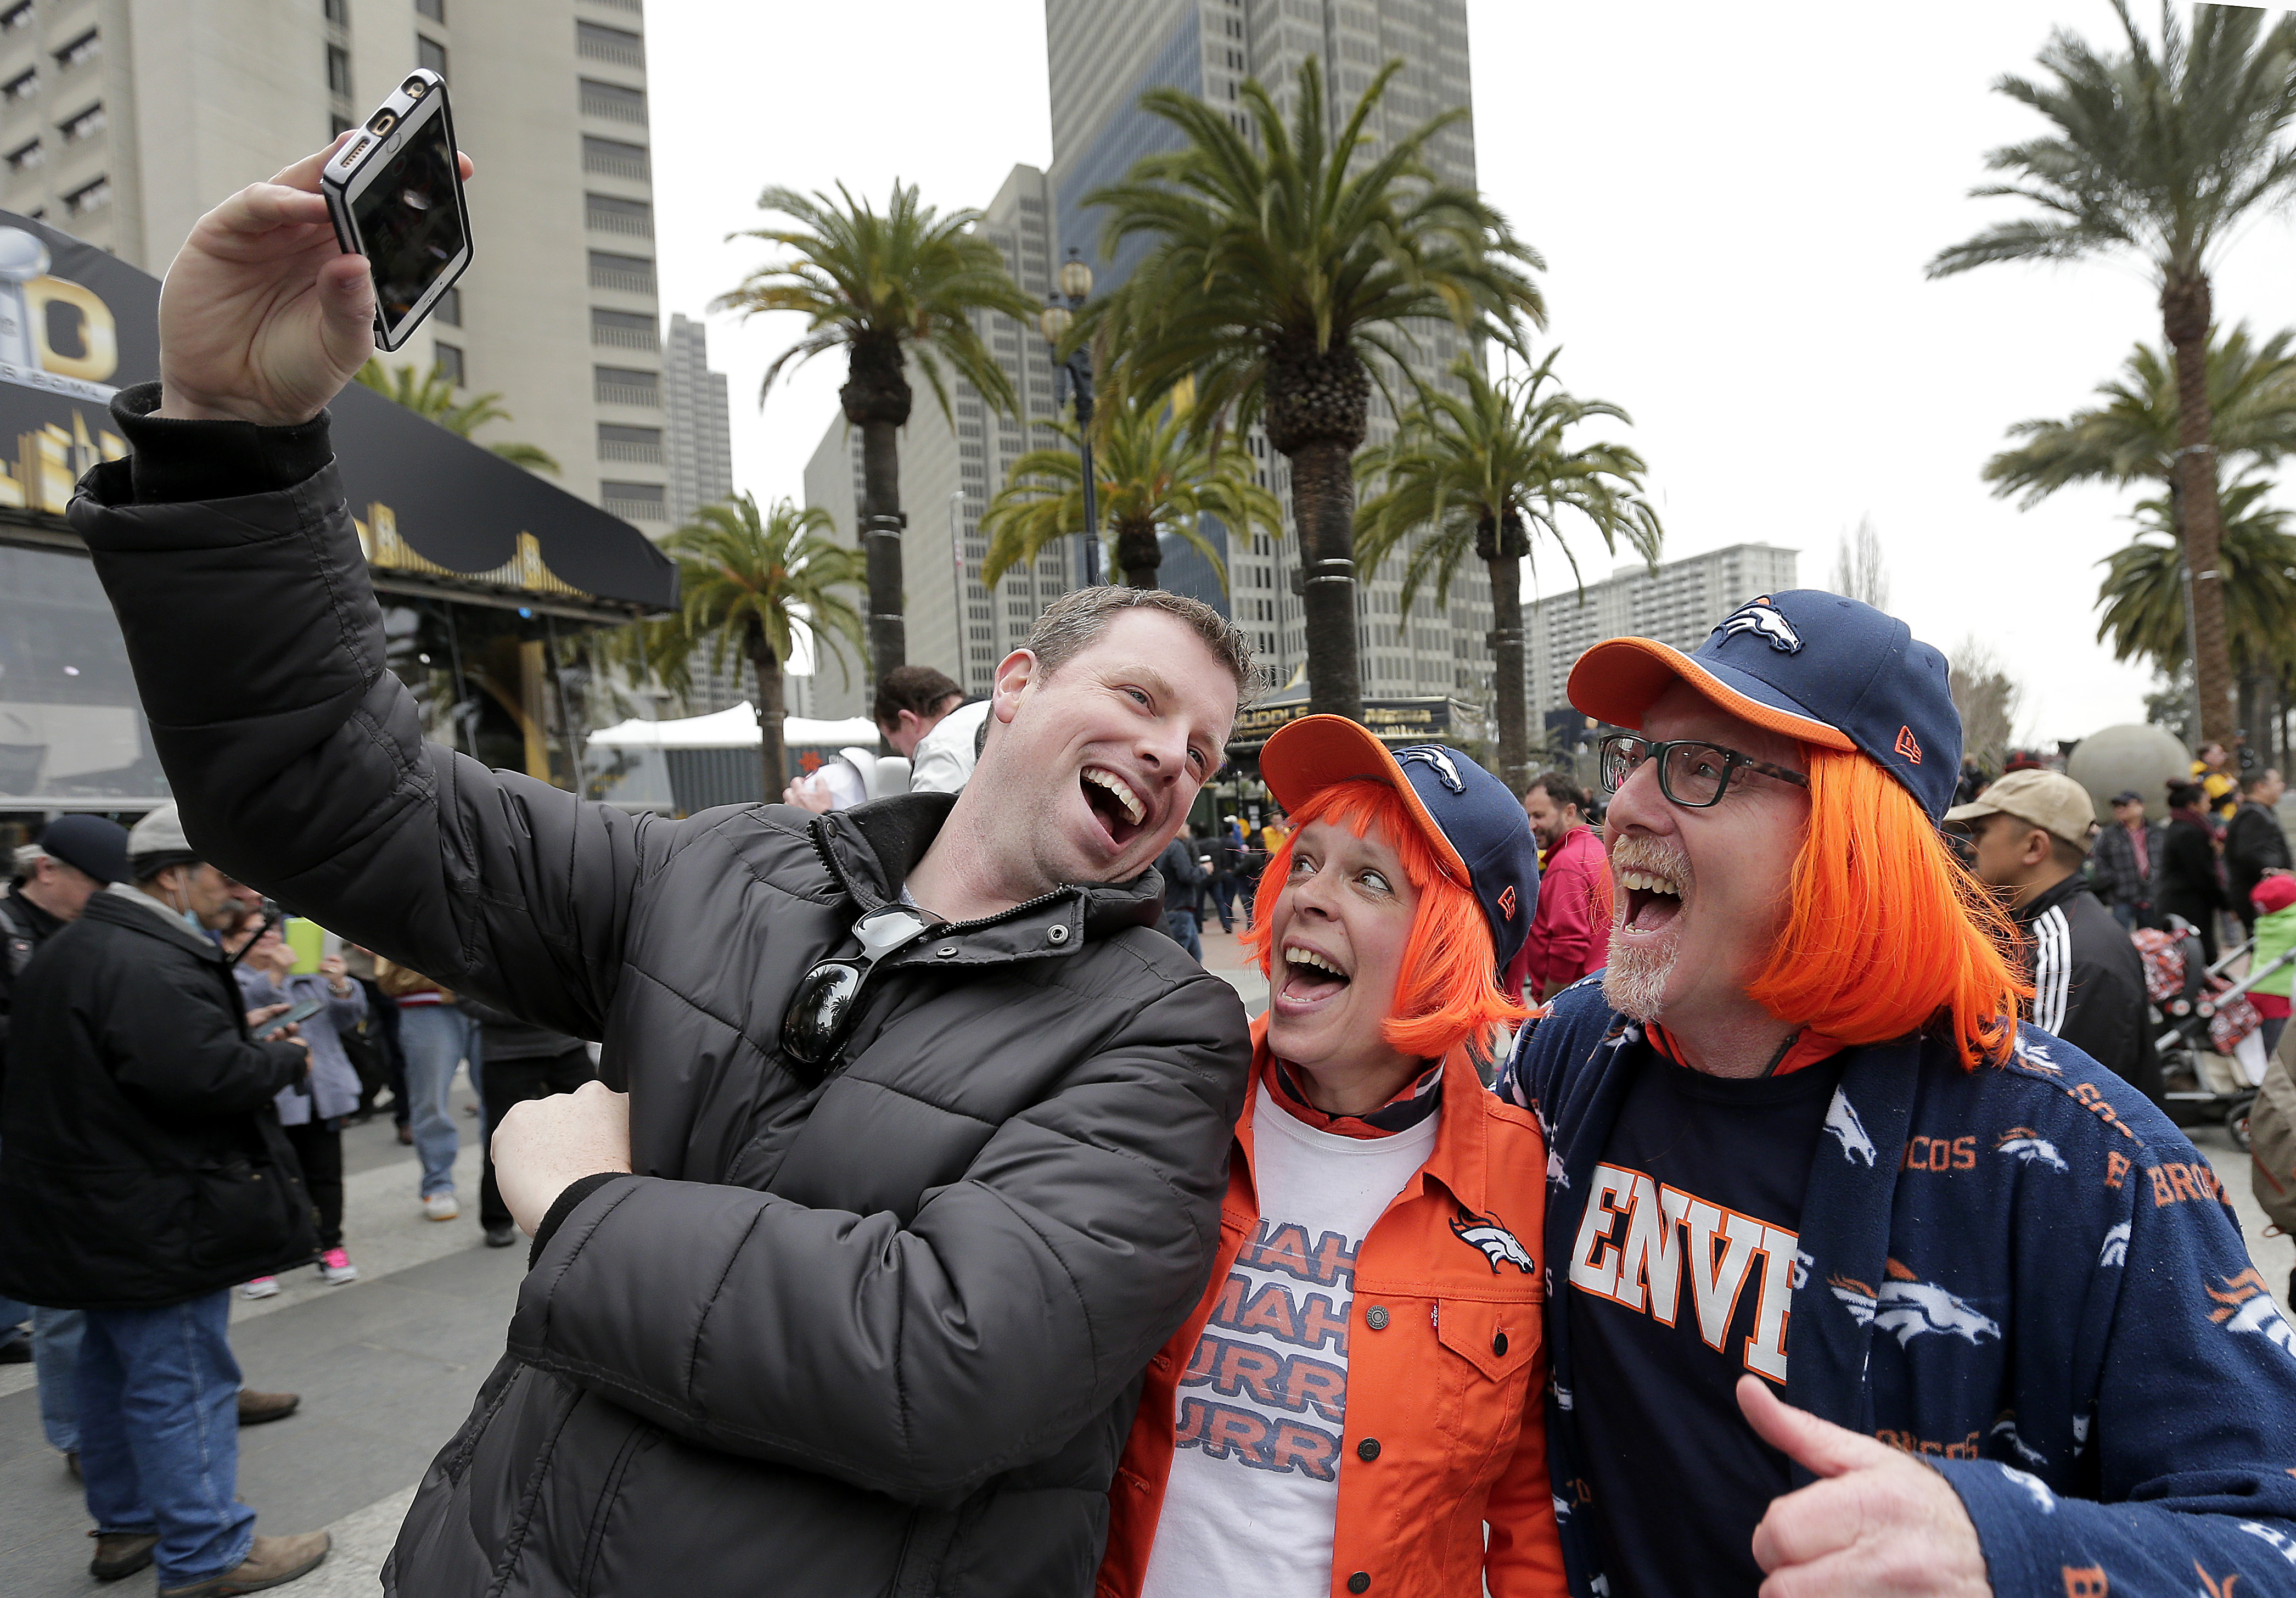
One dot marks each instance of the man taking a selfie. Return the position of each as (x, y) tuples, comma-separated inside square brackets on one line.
[(911, 1140)]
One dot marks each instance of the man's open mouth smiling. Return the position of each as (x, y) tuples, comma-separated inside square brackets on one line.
[(1115, 804), (1654, 898)]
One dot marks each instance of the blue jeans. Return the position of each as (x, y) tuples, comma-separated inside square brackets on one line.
[(2126, 914), (159, 1433), (1180, 927), (13, 1314), (435, 1038), (55, 1349)]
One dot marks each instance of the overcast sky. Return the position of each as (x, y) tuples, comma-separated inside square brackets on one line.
[(1735, 204)]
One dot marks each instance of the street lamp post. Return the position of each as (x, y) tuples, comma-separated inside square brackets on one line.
[(1076, 373)]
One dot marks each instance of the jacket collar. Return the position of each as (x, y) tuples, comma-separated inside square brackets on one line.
[(2041, 904), (1457, 1163), (871, 848), (123, 904)]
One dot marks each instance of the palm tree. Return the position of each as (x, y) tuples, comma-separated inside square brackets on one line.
[(432, 396), (747, 585), (883, 288), (1155, 477), (1279, 263), (2132, 437), (2164, 154), (1475, 472), (2142, 596)]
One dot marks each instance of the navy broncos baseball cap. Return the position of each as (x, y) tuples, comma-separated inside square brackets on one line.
[(1480, 836), (1809, 664)]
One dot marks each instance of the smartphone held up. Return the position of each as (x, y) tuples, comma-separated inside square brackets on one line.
[(394, 192)]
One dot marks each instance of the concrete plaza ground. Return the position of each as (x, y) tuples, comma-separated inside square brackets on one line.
[(388, 1364)]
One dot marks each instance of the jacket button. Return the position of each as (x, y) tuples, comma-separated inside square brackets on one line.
[(946, 950), (1360, 1582), (1366, 1451), (1375, 1317), (1498, 1344), (1057, 934)]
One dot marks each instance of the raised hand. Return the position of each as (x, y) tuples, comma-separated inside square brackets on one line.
[(263, 318), (1879, 1521)]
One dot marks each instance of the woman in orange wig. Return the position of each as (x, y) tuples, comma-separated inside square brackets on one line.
[(1354, 1404)]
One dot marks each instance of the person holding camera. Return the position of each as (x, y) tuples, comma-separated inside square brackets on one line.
[(142, 1174), (312, 1112), (924, 1135)]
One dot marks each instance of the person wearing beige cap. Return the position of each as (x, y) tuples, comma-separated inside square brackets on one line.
[(2029, 839)]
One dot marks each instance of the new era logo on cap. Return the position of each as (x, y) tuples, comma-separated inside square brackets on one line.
[(1908, 745), (1506, 901)]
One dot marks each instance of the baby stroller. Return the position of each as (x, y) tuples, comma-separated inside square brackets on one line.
[(2211, 1050)]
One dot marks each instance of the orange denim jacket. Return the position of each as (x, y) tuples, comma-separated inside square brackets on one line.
[(1446, 1371)]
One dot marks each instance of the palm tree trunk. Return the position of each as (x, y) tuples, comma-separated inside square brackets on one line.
[(2184, 311), (1324, 515), (876, 398), (1137, 554), (771, 708), (1506, 664)]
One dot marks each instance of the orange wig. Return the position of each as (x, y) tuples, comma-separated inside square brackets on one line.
[(1449, 992), (1888, 932)]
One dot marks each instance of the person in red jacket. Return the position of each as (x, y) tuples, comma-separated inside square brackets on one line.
[(1354, 1406), (1571, 937)]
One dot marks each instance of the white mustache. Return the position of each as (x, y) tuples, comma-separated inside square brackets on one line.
[(1659, 857)]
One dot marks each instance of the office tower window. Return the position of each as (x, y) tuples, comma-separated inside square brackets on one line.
[(435, 10), (448, 307), (89, 197), (612, 158), (626, 385), (339, 71), (338, 12), (628, 273), (82, 123), (21, 87), (595, 42), (642, 445), (86, 48), (624, 330), (19, 15), (447, 362), (634, 501), (431, 55), (337, 124), (609, 213), (25, 156), (612, 102)]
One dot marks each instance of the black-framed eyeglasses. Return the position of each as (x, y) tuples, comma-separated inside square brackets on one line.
[(821, 1011), (1691, 772)]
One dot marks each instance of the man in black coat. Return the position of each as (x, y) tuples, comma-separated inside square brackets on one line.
[(523, 1062), (2029, 837), (2254, 845), (142, 1173), (925, 1136), (1184, 881)]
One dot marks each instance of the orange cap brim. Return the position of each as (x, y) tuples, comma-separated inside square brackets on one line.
[(1305, 757), (1619, 679)]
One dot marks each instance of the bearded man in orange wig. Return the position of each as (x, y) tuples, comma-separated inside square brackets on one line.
[(2028, 1352)]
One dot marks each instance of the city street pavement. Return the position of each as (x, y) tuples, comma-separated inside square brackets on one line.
[(387, 1366)]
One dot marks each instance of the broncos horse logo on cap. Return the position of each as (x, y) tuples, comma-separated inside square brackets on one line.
[(1761, 617), (1444, 766)]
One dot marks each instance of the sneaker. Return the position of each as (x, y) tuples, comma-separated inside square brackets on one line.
[(440, 1206), (262, 1287), (336, 1267), (16, 1351), (405, 1135), (121, 1553), (270, 1563), (501, 1237)]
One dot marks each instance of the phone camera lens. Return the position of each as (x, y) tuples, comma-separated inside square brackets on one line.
[(414, 88)]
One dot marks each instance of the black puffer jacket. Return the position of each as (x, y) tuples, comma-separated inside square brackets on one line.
[(879, 1334), (140, 1159)]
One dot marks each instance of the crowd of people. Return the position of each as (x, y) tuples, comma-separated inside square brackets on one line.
[(934, 1223)]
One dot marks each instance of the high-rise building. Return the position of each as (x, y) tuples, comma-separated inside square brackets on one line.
[(951, 466), (122, 120), (699, 435), (1679, 603), (1103, 54)]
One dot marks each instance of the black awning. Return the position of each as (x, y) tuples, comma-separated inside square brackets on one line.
[(76, 324), (1435, 719)]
